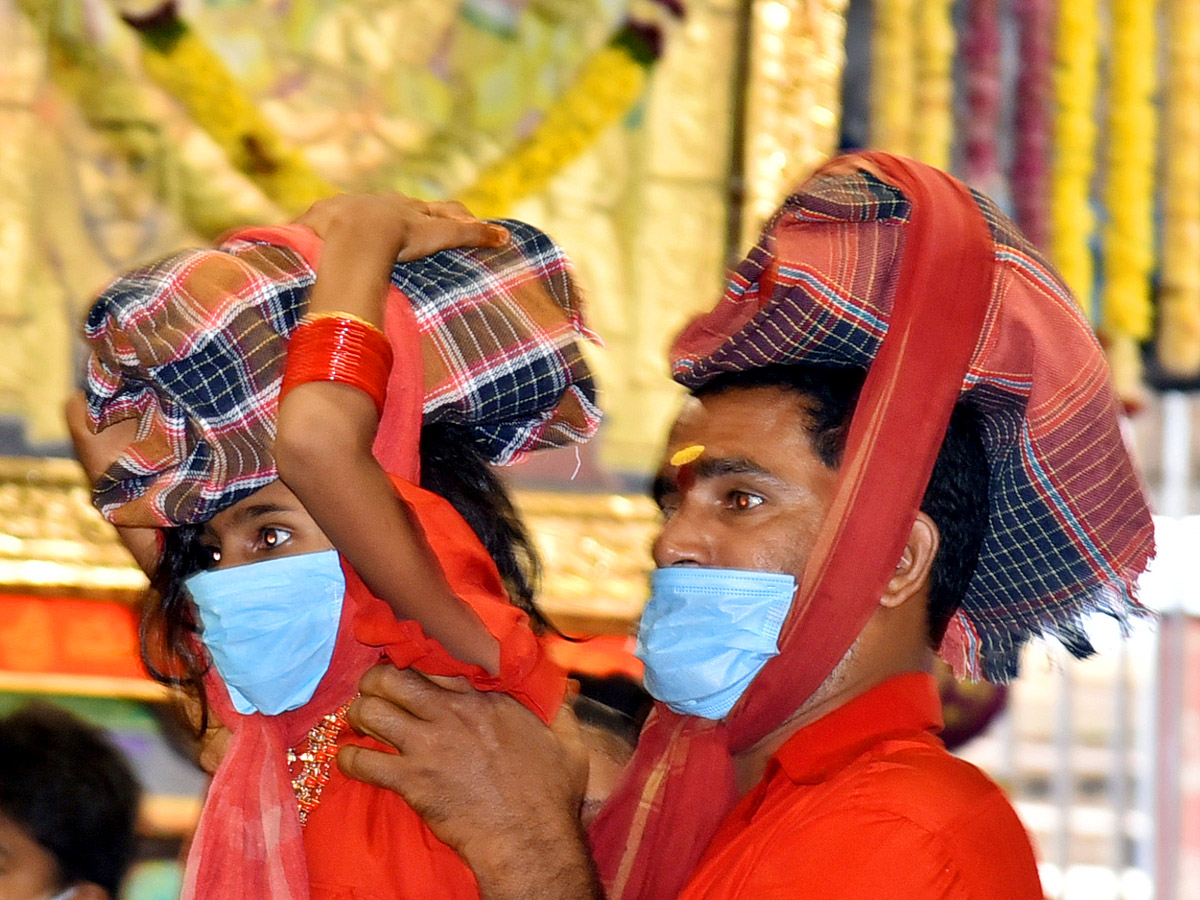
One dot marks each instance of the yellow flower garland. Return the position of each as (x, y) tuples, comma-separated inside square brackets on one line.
[(1129, 194), (933, 115), (181, 63), (892, 76), (1072, 221), (1179, 299), (610, 83)]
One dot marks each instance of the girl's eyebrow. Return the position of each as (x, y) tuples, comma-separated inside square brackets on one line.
[(258, 511)]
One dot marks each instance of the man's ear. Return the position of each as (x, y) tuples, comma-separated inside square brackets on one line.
[(912, 572)]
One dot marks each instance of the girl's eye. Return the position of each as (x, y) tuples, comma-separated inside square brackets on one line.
[(742, 501), (209, 557), (275, 537)]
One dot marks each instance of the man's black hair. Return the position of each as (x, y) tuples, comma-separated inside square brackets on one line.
[(956, 498), (452, 466), (72, 791)]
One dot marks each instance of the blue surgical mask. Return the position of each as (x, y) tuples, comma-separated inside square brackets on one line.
[(64, 894), (706, 633), (270, 627)]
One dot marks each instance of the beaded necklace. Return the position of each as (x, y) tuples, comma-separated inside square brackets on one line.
[(310, 767)]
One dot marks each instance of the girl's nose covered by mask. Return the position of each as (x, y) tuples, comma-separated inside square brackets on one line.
[(271, 627)]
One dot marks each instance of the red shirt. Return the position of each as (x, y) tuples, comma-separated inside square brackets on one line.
[(867, 803)]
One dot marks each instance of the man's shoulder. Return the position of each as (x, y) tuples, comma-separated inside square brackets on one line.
[(923, 783), (905, 819)]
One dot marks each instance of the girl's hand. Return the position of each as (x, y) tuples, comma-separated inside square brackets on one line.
[(400, 227)]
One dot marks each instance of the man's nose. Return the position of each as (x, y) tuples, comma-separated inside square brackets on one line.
[(683, 539)]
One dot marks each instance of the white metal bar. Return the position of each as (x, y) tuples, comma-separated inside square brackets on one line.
[(1176, 438)]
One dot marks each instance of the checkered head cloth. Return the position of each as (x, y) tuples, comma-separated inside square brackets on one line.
[(193, 347), (1069, 528)]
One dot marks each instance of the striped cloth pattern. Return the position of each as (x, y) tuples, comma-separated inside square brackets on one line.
[(1069, 528), (193, 347)]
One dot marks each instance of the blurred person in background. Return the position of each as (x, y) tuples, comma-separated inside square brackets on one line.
[(68, 803)]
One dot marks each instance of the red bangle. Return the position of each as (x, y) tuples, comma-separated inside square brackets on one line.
[(338, 347)]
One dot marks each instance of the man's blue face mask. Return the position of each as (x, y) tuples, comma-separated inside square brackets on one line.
[(706, 633), (271, 627)]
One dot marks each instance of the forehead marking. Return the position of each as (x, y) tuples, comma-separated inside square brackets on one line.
[(687, 455)]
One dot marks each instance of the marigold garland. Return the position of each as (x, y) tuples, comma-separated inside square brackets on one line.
[(179, 61), (1075, 79), (608, 86), (1129, 191), (893, 76), (1029, 174), (1179, 298), (933, 115)]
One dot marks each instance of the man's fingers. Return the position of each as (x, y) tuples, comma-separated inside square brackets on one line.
[(379, 719), (407, 689), (372, 766)]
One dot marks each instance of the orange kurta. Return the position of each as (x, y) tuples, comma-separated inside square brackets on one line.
[(866, 802)]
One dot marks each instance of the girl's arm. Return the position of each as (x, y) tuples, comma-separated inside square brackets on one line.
[(96, 452), (326, 429)]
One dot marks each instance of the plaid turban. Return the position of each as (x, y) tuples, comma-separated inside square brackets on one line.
[(193, 347), (888, 265)]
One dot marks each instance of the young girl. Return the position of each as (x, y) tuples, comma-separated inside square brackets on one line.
[(297, 534)]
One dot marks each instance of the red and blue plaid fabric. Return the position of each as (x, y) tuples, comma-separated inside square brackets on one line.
[(1069, 528), (193, 347)]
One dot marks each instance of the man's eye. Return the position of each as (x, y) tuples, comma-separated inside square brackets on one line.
[(274, 537), (741, 501)]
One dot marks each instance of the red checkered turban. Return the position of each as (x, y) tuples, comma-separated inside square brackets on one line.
[(193, 347)]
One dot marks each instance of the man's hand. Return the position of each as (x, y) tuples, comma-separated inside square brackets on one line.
[(486, 775), (96, 452)]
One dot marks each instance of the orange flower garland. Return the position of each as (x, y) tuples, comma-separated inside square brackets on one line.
[(893, 76), (933, 115), (1129, 194), (1072, 220), (1179, 300)]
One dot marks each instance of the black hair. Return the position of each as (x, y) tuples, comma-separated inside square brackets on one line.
[(956, 498), (71, 790), (452, 466)]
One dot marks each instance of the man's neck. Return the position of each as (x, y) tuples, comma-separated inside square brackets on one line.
[(844, 684)]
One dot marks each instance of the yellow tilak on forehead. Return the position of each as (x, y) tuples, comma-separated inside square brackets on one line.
[(687, 455)]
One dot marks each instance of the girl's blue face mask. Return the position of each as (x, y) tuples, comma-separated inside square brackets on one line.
[(706, 633), (271, 626)]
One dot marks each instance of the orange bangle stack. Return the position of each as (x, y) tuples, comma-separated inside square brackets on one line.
[(338, 347)]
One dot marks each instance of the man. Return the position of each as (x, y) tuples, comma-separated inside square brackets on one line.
[(809, 562), (68, 802)]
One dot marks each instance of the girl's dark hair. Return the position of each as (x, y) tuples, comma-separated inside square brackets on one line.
[(452, 466)]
